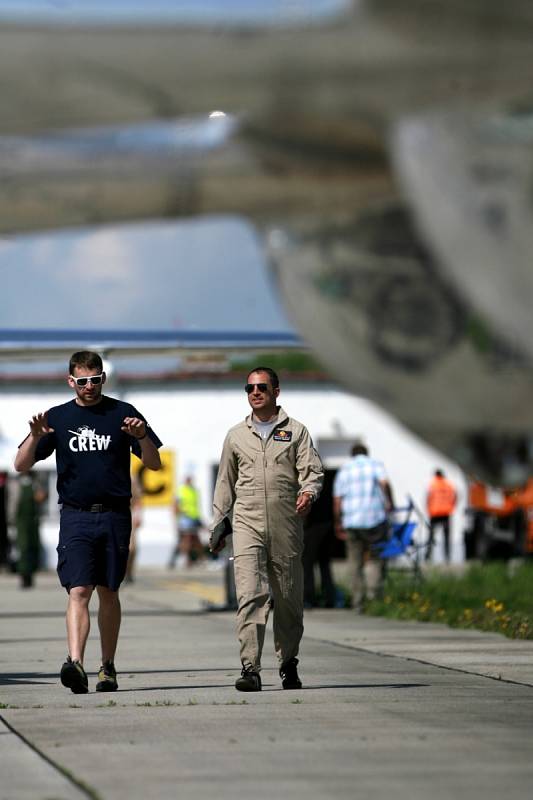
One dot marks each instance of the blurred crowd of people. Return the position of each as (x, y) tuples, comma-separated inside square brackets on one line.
[(21, 551)]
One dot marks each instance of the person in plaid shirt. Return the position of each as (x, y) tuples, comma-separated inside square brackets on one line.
[(362, 500)]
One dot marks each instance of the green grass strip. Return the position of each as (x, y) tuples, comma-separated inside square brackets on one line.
[(487, 597)]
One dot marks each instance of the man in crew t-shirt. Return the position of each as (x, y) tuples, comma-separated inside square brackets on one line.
[(92, 436)]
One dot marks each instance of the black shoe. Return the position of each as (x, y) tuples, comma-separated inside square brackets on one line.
[(289, 675), (107, 678), (73, 677), (250, 681)]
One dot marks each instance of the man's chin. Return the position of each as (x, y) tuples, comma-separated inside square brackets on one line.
[(90, 399)]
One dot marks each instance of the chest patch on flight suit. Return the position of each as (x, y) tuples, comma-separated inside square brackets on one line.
[(283, 436)]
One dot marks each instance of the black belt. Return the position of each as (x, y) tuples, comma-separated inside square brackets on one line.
[(98, 508)]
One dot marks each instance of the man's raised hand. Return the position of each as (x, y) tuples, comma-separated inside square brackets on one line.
[(135, 427), (39, 425)]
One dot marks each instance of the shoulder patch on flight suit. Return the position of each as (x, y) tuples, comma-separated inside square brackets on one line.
[(282, 436)]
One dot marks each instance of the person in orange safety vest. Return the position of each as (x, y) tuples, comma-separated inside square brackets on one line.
[(441, 501)]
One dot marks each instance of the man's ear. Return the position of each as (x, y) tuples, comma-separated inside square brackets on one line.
[(104, 378), (70, 382), (276, 391)]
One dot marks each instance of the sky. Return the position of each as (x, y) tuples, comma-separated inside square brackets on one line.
[(202, 274), (263, 12)]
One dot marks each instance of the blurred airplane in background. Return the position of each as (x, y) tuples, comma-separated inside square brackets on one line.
[(382, 148)]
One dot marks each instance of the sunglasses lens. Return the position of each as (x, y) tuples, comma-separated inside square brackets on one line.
[(95, 380), (251, 386)]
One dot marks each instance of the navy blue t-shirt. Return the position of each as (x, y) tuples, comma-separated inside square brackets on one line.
[(92, 453)]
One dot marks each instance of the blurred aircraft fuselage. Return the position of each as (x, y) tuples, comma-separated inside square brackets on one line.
[(383, 152)]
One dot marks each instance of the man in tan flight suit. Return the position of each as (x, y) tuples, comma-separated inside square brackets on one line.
[(269, 475)]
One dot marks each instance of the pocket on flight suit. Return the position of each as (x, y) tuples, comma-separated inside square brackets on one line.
[(288, 572), (282, 511), (251, 578)]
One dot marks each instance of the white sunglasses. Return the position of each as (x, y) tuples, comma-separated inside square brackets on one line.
[(95, 380)]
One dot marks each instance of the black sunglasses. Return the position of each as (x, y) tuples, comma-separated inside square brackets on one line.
[(263, 387), (96, 380)]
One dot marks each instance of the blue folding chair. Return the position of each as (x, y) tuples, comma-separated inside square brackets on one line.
[(401, 541)]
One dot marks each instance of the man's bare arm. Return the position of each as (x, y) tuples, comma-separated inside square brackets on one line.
[(340, 533), (149, 452), (387, 493), (25, 458)]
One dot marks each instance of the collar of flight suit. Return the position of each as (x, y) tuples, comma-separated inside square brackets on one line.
[(282, 419)]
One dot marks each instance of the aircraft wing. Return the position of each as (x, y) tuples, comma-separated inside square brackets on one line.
[(38, 344), (80, 64)]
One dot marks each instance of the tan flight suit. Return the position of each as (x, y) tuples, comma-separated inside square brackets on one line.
[(260, 480)]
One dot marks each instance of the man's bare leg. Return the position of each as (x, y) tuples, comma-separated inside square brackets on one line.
[(109, 617), (78, 625), (78, 621)]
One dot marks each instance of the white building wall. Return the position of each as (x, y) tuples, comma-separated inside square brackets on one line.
[(193, 419)]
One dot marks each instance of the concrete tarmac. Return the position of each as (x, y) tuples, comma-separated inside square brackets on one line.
[(388, 709)]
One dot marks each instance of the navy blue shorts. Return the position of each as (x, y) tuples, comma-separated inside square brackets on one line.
[(93, 548)]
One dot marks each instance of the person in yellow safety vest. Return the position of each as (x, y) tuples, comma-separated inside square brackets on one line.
[(187, 508), (441, 502)]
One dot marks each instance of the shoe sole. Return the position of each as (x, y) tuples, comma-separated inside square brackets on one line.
[(293, 685), (247, 688), (106, 686), (71, 678)]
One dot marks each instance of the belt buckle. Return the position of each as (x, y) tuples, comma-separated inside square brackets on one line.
[(96, 508)]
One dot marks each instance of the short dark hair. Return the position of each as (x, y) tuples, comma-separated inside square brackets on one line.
[(439, 473), (85, 358), (359, 449), (274, 380)]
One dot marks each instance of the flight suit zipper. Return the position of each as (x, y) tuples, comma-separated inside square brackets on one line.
[(264, 460)]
